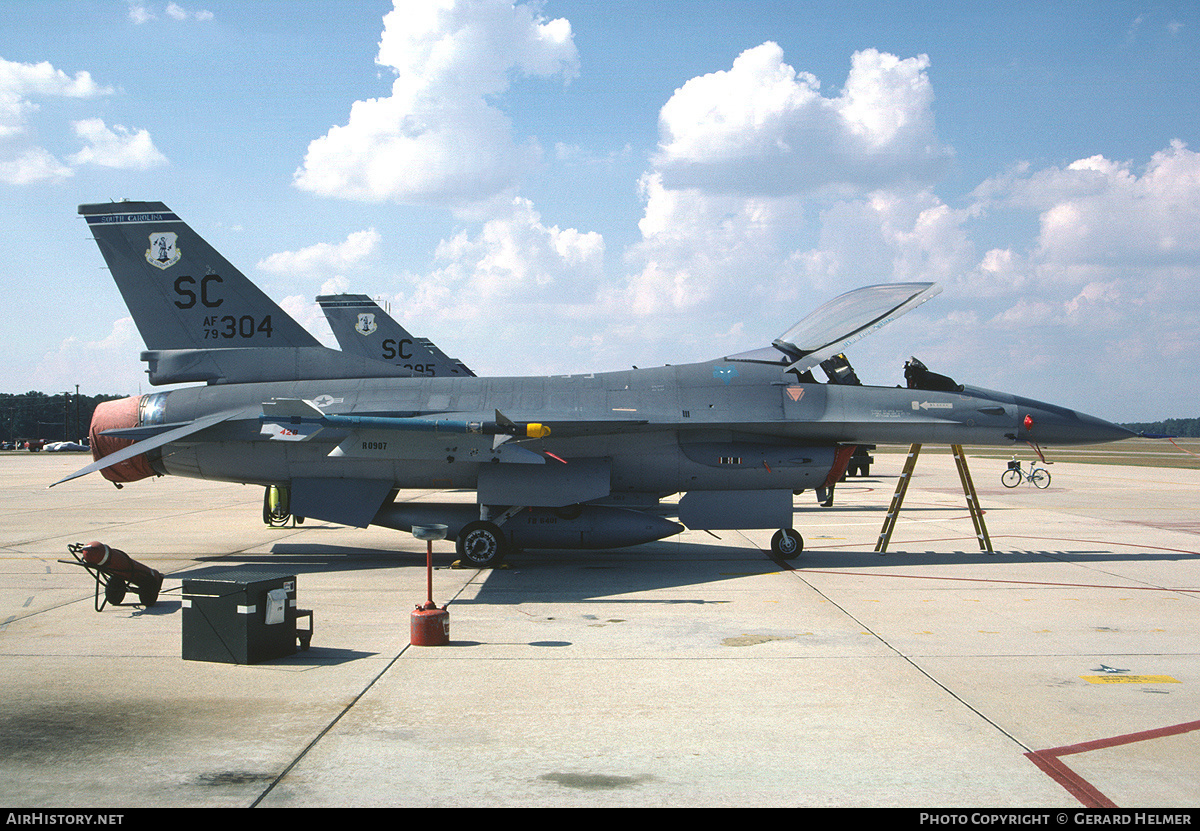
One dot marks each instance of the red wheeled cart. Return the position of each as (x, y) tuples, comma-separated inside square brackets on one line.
[(116, 571)]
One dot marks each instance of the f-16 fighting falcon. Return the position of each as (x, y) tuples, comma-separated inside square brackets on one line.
[(362, 328), (578, 461)]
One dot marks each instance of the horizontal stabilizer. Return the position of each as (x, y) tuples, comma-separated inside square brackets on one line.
[(146, 431), (151, 443)]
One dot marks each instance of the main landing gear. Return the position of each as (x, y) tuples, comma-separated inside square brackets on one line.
[(481, 543), (787, 544)]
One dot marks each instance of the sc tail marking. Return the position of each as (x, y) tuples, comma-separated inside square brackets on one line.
[(201, 318), (181, 293), (363, 328)]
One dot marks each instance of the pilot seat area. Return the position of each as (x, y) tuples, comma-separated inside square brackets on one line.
[(918, 377)]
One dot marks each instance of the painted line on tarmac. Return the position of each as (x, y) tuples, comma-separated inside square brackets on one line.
[(1050, 761)]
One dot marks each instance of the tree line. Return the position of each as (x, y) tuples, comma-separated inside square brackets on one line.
[(64, 416), (1183, 427)]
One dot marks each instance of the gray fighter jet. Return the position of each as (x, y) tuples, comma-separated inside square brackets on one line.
[(578, 461), (362, 328)]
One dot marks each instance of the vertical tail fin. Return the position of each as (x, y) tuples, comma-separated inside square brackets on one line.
[(364, 329), (181, 292)]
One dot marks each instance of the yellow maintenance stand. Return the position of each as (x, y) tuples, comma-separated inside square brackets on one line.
[(964, 475)]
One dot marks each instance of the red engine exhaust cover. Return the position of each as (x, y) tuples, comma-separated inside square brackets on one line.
[(111, 415)]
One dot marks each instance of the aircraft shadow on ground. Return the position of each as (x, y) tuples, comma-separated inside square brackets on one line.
[(609, 576), (858, 558)]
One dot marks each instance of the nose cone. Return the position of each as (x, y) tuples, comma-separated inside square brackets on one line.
[(1048, 424)]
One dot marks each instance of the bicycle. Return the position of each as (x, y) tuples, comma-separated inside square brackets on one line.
[(1015, 475)]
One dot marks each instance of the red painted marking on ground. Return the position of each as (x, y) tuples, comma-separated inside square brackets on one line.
[(1051, 763), (1071, 781), (1128, 738)]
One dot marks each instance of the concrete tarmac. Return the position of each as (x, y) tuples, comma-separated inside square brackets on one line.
[(1059, 672)]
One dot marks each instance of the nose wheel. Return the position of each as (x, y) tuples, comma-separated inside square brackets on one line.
[(787, 544)]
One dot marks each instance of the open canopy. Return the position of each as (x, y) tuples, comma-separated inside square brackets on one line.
[(842, 321)]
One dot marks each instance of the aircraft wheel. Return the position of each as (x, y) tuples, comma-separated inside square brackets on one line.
[(1041, 478), (114, 591), (481, 544), (1010, 478), (787, 544)]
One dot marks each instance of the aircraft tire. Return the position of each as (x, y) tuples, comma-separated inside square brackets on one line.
[(481, 544), (148, 596), (787, 544), (114, 591)]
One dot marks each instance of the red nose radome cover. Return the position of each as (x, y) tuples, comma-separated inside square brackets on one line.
[(112, 415)]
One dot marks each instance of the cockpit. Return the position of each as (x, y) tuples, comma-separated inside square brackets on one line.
[(819, 338), (918, 377)]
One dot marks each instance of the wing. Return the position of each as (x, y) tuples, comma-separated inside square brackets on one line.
[(166, 437)]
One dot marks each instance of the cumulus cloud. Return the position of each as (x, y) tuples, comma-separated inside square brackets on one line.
[(32, 165), (117, 147), (701, 248), (763, 190), (20, 82), (1100, 222), (21, 86), (440, 136), (1109, 282), (767, 195), (516, 256), (22, 163), (324, 258), (1115, 216), (762, 127)]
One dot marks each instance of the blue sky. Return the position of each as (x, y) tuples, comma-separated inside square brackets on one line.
[(570, 186)]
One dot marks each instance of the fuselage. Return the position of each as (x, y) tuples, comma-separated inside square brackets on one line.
[(717, 425)]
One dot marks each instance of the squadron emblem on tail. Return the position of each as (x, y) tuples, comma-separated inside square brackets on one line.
[(163, 251)]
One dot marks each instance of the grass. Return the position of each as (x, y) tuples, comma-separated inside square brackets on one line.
[(1139, 452)]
